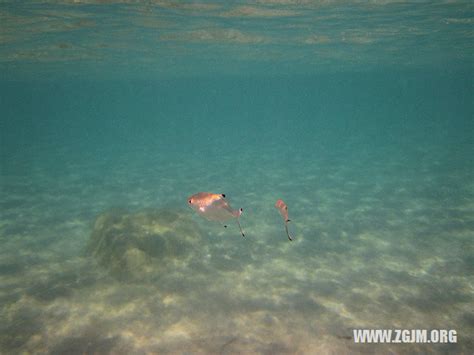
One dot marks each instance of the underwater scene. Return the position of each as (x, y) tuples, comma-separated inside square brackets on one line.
[(236, 177)]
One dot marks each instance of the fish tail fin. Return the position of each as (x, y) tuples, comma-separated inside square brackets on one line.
[(237, 214), (241, 231), (288, 233)]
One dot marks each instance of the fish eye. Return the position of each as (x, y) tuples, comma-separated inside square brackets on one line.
[(190, 201)]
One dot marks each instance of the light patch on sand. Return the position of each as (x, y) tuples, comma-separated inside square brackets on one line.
[(355, 38), (317, 39), (158, 228), (367, 237), (462, 21), (428, 263), (76, 222), (183, 329), (170, 300), (336, 307), (395, 265), (253, 11), (215, 36)]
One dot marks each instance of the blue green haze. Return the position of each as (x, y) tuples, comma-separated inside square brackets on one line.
[(359, 115)]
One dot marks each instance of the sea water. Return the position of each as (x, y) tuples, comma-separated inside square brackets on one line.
[(358, 116)]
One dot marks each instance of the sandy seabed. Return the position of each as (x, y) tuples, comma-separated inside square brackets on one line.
[(377, 245)]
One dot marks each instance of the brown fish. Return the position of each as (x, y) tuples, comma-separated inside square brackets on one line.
[(214, 207), (283, 209)]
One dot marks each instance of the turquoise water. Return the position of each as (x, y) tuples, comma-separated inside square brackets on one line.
[(358, 116)]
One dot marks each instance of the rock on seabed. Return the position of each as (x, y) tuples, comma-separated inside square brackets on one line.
[(135, 245)]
